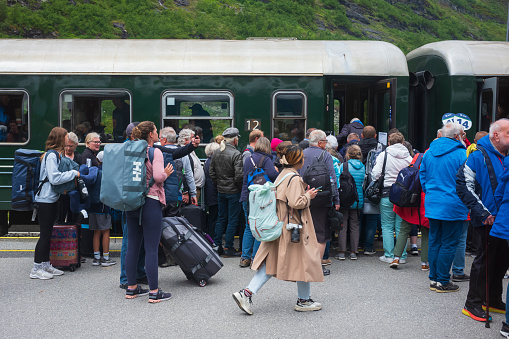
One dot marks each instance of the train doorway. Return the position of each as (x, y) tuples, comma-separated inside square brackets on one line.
[(493, 101)]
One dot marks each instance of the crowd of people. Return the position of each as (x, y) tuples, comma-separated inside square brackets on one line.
[(463, 197)]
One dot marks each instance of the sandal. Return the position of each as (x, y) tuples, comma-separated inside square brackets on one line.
[(138, 291), (158, 296)]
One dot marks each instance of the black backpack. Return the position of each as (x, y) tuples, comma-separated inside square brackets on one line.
[(317, 175), (347, 188)]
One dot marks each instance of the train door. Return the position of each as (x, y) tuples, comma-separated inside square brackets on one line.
[(385, 96), (488, 99)]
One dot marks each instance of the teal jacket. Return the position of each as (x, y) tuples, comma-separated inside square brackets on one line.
[(357, 170), (337, 164)]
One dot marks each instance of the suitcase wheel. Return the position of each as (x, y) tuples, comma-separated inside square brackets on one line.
[(202, 283)]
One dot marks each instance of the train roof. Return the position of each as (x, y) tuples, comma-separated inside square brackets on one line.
[(192, 57), (478, 58)]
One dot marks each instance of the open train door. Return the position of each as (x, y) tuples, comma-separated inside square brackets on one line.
[(384, 113), (488, 100)]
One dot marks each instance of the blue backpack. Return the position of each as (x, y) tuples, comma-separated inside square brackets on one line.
[(25, 179), (257, 176), (406, 191), (171, 184)]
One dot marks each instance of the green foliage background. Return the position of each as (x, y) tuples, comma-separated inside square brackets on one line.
[(405, 23)]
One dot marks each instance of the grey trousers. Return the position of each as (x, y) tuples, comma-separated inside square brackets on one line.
[(350, 222)]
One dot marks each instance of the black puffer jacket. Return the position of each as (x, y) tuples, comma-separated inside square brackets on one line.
[(227, 170)]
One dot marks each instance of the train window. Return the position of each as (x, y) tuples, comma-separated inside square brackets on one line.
[(106, 112), (486, 110), (208, 113), (289, 112), (14, 116)]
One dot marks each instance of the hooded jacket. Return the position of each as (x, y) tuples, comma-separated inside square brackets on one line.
[(355, 127), (437, 174), (357, 170), (500, 228), (366, 145), (473, 182), (398, 158)]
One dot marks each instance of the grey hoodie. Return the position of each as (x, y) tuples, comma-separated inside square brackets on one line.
[(49, 168)]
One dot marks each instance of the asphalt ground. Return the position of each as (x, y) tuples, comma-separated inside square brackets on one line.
[(361, 299)]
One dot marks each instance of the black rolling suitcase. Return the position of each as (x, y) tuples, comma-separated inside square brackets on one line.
[(196, 216), (191, 249)]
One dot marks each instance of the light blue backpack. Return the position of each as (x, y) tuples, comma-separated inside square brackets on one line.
[(263, 220), (124, 175)]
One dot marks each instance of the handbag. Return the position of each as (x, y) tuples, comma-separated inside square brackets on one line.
[(335, 219), (374, 190)]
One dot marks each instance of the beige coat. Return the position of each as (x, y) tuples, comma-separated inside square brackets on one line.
[(286, 260)]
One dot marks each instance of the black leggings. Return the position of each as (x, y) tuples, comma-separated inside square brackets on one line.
[(47, 214)]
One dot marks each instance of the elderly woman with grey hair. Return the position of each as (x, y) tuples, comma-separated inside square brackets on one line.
[(70, 148)]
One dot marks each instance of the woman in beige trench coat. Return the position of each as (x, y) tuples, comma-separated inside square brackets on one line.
[(282, 258)]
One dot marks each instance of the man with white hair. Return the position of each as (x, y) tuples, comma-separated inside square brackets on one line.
[(185, 138), (475, 189), (444, 209), (355, 126), (315, 157)]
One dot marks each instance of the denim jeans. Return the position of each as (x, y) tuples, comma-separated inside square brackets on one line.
[(228, 215), (261, 277), (326, 252), (370, 222), (391, 223), (443, 241), (458, 264), (123, 251), (249, 243)]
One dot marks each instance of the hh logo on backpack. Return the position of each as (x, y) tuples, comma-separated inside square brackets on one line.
[(137, 171)]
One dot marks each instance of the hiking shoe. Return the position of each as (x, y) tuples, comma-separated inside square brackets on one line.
[(432, 285), (245, 262), (96, 262), (353, 256), (307, 305), (230, 253), (424, 267), (326, 262), (476, 313), (52, 270), (137, 292), (449, 287), (414, 250), (325, 271), (388, 260), (505, 330), (459, 278), (243, 301), (340, 256), (40, 274), (369, 252), (107, 262), (395, 263), (158, 296), (498, 308)]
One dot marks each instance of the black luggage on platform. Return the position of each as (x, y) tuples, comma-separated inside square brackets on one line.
[(191, 250), (196, 216)]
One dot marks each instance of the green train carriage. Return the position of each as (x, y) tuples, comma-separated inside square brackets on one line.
[(282, 86)]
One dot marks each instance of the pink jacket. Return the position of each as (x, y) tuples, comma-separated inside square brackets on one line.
[(156, 169)]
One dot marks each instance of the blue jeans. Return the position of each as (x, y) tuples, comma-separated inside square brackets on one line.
[(458, 264), (249, 243), (443, 241), (391, 223), (228, 215), (326, 252), (261, 277), (123, 251), (370, 222)]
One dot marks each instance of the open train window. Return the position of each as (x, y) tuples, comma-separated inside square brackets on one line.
[(208, 113), (289, 112), (14, 127), (106, 112)]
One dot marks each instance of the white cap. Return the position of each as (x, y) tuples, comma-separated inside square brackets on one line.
[(100, 156)]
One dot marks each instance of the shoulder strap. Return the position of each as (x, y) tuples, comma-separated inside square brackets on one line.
[(252, 161), (416, 161), (345, 166), (260, 163), (151, 154), (491, 170), (321, 156), (286, 176)]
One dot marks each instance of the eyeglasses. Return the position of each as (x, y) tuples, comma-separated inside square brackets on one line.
[(323, 140), (95, 142), (70, 146)]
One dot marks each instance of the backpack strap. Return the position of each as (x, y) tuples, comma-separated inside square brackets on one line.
[(416, 161), (345, 166), (283, 178), (288, 206), (252, 161), (491, 171), (260, 163), (320, 158)]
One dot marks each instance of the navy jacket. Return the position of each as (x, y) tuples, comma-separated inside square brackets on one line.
[(267, 166)]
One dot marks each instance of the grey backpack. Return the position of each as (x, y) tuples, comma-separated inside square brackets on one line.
[(124, 175)]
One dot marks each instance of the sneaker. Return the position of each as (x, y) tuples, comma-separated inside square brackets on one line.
[(369, 252), (424, 267), (96, 262), (326, 262), (432, 285), (499, 308), (230, 253), (53, 270), (353, 256), (245, 262), (449, 287), (395, 263), (307, 305), (383, 258), (137, 292), (476, 313), (505, 330), (402, 261), (459, 278), (158, 296), (340, 256), (123, 286), (325, 271), (414, 250), (107, 262), (40, 274), (243, 301)]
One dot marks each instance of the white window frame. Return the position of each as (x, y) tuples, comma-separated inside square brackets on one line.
[(8, 91)]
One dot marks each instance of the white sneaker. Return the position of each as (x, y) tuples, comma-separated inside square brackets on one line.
[(307, 305), (243, 301), (40, 274), (402, 261), (52, 270), (383, 258)]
